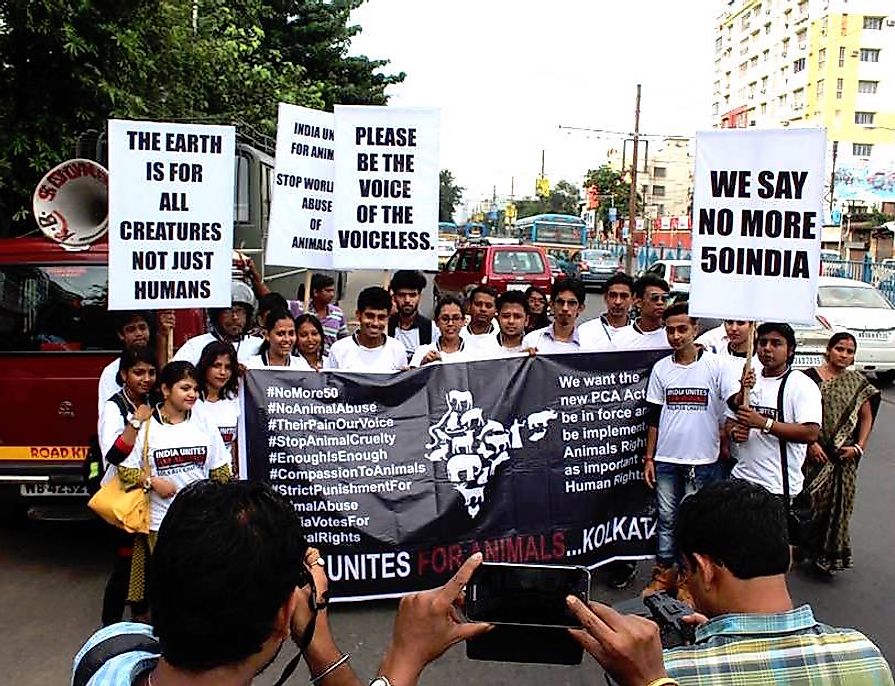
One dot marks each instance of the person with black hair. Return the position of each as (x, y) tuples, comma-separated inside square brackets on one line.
[(135, 328), (232, 579), (370, 349), (321, 305), (228, 324), (784, 406), (218, 376), (267, 303), (647, 331), (732, 535), (482, 306), (538, 312), (567, 301), (686, 398), (597, 334), (121, 419), (512, 317), (309, 340), (279, 344), (407, 324), (449, 347)]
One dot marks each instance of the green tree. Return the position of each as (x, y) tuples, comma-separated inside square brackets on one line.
[(612, 188), (449, 196), (563, 199), (66, 66)]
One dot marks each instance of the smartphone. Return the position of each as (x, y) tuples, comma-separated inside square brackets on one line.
[(526, 595)]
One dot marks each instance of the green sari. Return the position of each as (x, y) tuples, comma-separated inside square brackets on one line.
[(830, 487)]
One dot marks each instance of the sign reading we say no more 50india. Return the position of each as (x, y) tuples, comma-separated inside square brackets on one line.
[(757, 218), (170, 214)]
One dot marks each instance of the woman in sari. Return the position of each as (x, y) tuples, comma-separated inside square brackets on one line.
[(850, 403)]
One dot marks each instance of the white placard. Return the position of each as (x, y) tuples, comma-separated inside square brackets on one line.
[(386, 188), (301, 212), (170, 215), (757, 215)]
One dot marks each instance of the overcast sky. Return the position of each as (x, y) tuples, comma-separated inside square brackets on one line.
[(506, 74)]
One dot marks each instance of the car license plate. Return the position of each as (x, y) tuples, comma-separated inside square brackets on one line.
[(517, 286), (804, 360), (873, 335), (41, 490)]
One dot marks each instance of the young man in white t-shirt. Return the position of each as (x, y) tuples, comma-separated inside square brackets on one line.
[(759, 428), (686, 396), (647, 331), (482, 306), (512, 318), (597, 334), (567, 301), (370, 349)]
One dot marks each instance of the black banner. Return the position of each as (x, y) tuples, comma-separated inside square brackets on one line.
[(398, 479)]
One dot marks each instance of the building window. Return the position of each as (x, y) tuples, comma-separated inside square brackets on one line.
[(715, 109), (659, 172), (659, 191), (719, 44), (864, 117), (764, 108), (869, 55), (820, 88), (798, 65), (839, 89), (861, 149), (821, 58), (798, 99), (873, 23), (867, 86), (841, 57)]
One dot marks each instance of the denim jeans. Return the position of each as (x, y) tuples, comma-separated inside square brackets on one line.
[(674, 482)]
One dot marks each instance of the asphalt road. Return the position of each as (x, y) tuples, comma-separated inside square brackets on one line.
[(52, 577)]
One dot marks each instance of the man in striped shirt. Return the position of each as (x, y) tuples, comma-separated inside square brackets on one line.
[(733, 538)]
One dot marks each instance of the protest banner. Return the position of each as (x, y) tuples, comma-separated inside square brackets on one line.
[(757, 215), (170, 215), (301, 213), (399, 478), (386, 202)]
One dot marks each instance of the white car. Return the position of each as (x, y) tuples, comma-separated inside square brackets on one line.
[(675, 272), (864, 311)]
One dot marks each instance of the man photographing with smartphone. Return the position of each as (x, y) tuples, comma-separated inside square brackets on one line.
[(733, 538)]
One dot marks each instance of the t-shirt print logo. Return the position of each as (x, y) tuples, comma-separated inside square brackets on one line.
[(170, 458), (687, 398), (472, 446), (769, 412)]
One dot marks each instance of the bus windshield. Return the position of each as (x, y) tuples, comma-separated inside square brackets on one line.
[(553, 230)]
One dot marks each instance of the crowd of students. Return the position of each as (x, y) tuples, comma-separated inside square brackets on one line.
[(709, 414)]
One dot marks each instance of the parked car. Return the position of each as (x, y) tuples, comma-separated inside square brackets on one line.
[(811, 343), (446, 249), (864, 311), (556, 269), (502, 267), (595, 266), (675, 272)]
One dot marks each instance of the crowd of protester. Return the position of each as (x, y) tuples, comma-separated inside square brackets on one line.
[(753, 433)]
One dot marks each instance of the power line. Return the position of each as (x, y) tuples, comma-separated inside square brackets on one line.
[(619, 134)]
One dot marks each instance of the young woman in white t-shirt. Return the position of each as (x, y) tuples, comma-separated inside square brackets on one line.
[(279, 343), (309, 339), (182, 448), (217, 372)]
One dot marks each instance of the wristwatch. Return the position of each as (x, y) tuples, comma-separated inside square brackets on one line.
[(134, 422), (380, 681), (767, 426)]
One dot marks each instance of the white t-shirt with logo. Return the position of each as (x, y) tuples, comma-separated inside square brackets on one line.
[(631, 337), (759, 456), (348, 355), (693, 399), (181, 453), (224, 414)]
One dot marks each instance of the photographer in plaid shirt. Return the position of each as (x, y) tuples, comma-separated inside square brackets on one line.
[(733, 538)]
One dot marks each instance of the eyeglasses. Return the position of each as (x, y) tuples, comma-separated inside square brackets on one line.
[(447, 319), (659, 298)]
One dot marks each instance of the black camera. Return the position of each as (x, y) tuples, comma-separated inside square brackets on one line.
[(668, 613)]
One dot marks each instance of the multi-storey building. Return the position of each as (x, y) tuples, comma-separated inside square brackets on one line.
[(826, 63)]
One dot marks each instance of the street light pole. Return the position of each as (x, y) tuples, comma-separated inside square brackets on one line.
[(632, 196)]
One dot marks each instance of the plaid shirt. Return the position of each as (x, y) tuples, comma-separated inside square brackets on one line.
[(787, 648), (334, 324)]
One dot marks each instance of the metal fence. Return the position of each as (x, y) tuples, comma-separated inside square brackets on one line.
[(879, 274)]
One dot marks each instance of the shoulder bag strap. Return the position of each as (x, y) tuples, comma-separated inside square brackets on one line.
[(104, 651), (147, 473), (784, 462)]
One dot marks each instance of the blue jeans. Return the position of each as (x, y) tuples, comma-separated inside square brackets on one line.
[(674, 482)]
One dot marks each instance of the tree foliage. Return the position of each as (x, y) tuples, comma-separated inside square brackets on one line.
[(66, 66), (612, 188), (449, 196), (563, 199)]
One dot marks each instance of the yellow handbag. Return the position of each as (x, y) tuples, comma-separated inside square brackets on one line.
[(126, 509)]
